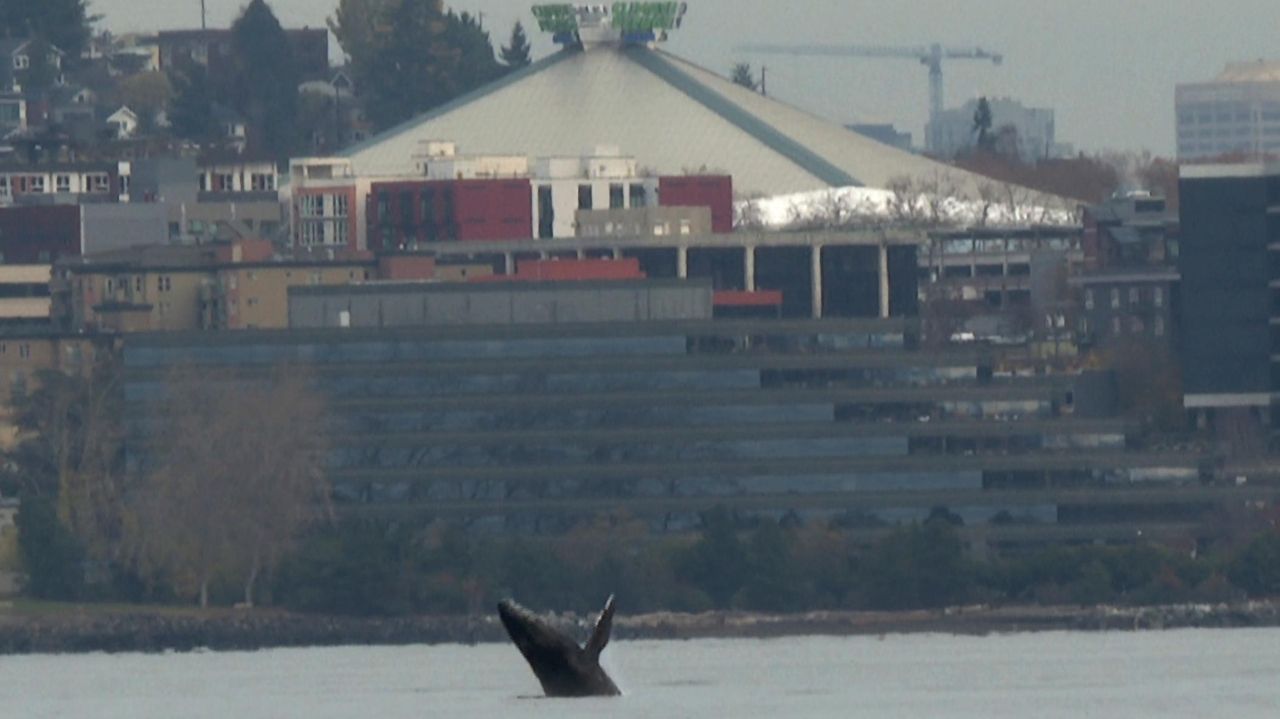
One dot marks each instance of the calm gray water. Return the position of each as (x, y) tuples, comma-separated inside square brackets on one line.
[(1160, 674)]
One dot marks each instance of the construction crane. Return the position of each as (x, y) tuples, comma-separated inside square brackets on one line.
[(930, 56)]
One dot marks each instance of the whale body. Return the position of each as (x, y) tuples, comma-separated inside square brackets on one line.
[(562, 667)]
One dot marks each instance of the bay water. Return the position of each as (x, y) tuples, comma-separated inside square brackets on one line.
[(1184, 673)]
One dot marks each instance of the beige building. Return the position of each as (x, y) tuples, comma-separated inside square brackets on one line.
[(24, 294), (26, 353), (237, 285), (256, 296), (645, 222)]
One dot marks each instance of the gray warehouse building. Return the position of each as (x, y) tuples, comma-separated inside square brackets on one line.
[(420, 304)]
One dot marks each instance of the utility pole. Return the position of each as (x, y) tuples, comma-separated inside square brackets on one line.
[(204, 16), (764, 80)]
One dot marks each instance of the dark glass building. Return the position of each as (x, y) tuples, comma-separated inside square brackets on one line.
[(1230, 268)]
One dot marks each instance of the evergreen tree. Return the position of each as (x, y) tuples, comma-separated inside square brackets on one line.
[(191, 108), (42, 74), (982, 122), (265, 87), (516, 54), (742, 75), (476, 64), (410, 56), (65, 23)]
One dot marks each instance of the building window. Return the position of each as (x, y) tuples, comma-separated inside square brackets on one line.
[(1088, 299), (1135, 325), (546, 213), (312, 234), (164, 283), (262, 182), (1157, 297), (584, 197), (384, 207), (100, 183), (340, 233), (224, 182), (21, 62), (617, 198), (62, 183), (37, 183), (312, 206), (1115, 298), (340, 206), (24, 350), (252, 302), (137, 283), (1115, 326), (1135, 295), (639, 198)]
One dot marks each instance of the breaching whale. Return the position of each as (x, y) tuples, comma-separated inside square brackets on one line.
[(563, 668)]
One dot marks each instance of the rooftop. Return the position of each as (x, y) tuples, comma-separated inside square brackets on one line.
[(673, 116), (1255, 71)]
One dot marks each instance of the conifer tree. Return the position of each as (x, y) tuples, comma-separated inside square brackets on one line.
[(410, 56), (743, 76), (516, 53), (65, 23), (265, 85)]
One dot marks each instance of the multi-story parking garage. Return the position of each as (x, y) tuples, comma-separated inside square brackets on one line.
[(537, 428)]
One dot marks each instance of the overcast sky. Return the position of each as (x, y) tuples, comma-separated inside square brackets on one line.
[(1108, 67)]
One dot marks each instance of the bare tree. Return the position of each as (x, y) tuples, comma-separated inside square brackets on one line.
[(938, 194), (237, 474), (70, 447), (905, 203)]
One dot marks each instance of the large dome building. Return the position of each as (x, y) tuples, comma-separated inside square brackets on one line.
[(672, 115)]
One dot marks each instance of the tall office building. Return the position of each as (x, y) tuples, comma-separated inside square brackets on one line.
[(1230, 265), (1235, 115)]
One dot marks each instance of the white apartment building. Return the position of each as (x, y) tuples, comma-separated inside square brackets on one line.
[(603, 179)]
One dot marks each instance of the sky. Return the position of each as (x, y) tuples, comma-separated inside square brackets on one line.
[(1107, 67)]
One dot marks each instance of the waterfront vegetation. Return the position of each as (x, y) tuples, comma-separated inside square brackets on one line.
[(93, 528), (376, 568), (384, 569)]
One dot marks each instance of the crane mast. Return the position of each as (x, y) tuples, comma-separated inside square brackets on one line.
[(931, 56)]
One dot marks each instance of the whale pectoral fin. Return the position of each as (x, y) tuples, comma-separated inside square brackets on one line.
[(600, 636)]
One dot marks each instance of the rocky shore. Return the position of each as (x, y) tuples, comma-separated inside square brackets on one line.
[(87, 630)]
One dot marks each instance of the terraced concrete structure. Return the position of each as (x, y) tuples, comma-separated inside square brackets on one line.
[(535, 429)]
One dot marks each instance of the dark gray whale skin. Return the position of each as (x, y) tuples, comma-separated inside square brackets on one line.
[(563, 668)]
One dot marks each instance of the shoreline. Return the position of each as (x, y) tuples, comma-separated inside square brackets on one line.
[(90, 630)]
